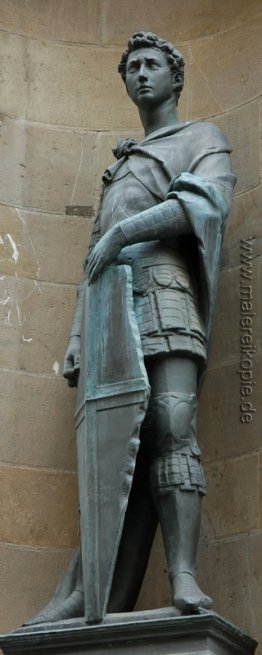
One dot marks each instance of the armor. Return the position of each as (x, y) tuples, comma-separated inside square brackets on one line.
[(177, 469), (166, 305)]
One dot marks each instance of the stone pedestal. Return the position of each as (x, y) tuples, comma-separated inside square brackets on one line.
[(157, 632)]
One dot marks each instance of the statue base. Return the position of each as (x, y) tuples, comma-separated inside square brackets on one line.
[(161, 632)]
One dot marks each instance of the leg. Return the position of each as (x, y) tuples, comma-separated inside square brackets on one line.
[(176, 474), (67, 601)]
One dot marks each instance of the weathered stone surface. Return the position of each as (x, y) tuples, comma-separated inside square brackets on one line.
[(184, 20), (35, 320), (41, 246), (244, 222), (237, 78), (72, 92), (219, 568), (237, 480), (202, 102), (28, 577), (225, 344), (244, 215), (260, 487), (221, 432), (237, 596), (241, 127), (255, 576), (40, 507), (66, 20), (16, 250), (142, 633), (37, 426), (46, 168)]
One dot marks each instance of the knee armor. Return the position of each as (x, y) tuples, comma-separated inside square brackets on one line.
[(172, 414), (177, 461)]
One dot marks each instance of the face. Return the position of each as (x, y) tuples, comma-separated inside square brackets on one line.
[(149, 80)]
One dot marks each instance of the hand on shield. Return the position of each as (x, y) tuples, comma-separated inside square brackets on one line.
[(105, 251), (72, 361)]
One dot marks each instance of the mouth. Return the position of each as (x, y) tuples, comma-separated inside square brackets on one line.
[(143, 87)]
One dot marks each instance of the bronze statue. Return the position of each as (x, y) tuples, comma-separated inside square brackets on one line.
[(163, 209)]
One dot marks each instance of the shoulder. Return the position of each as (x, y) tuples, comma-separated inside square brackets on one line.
[(208, 135)]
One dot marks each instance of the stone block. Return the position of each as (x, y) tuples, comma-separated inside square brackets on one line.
[(83, 89), (42, 246), (241, 127), (40, 507), (60, 244), (46, 168), (16, 250), (142, 633), (244, 222), (37, 424), (255, 576), (221, 432), (238, 480), (28, 578), (238, 77), (260, 486), (225, 341), (224, 573), (76, 22), (35, 324), (184, 21)]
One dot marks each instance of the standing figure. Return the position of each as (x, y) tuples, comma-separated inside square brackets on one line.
[(163, 209)]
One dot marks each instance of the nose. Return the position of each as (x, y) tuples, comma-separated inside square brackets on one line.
[(142, 73)]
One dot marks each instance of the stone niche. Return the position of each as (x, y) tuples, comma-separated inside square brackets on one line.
[(62, 108)]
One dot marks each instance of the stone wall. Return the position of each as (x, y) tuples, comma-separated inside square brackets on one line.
[(62, 107)]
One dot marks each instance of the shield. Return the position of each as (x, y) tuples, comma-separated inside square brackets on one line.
[(112, 398)]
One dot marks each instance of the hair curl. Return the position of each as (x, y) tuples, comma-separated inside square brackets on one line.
[(174, 58)]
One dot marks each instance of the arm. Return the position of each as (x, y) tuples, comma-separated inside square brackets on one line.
[(195, 198), (72, 354), (162, 221)]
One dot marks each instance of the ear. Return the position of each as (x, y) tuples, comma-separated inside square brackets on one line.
[(178, 79)]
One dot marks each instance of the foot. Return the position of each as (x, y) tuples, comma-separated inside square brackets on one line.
[(188, 597), (70, 608)]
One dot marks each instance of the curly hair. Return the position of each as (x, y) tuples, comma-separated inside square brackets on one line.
[(174, 58)]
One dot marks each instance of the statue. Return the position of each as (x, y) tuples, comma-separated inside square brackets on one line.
[(163, 209)]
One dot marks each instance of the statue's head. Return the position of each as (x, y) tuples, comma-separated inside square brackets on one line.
[(174, 59)]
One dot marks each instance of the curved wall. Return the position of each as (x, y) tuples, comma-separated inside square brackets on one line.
[(62, 107)]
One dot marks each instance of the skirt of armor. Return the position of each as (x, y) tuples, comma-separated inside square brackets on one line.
[(166, 308)]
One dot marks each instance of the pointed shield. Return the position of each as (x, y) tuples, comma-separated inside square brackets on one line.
[(112, 398)]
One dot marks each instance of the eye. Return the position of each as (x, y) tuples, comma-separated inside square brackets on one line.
[(132, 68), (153, 64)]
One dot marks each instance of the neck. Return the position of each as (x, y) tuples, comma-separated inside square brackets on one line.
[(154, 118)]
